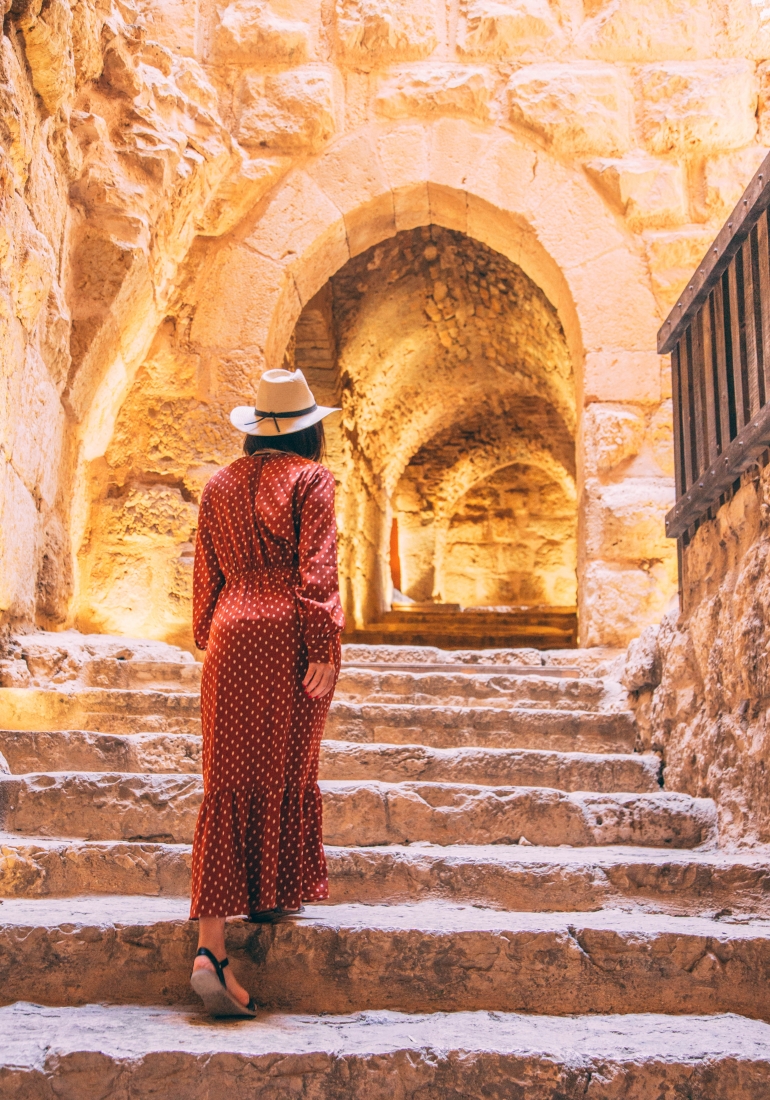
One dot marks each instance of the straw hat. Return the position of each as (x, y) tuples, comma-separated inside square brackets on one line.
[(285, 404)]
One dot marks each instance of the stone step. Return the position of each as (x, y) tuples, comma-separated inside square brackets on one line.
[(29, 708), (491, 727), (525, 879), (81, 750), (139, 1052), (107, 672), (427, 957), (597, 661), (540, 627), (114, 806), (107, 710), (599, 772), (464, 688)]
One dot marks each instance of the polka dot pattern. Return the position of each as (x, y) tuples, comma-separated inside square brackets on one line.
[(265, 602)]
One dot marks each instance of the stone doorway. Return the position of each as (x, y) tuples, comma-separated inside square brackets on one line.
[(456, 448)]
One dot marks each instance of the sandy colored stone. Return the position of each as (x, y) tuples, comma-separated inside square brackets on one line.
[(127, 193), (411, 959), (47, 30), (651, 193), (465, 1053), (708, 711), (612, 589), (726, 177), (614, 435), (581, 109), (370, 31), (493, 29), (248, 32), (674, 257), (659, 30), (690, 108), (287, 112), (435, 91)]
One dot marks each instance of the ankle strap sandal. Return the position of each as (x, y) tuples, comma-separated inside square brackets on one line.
[(213, 991)]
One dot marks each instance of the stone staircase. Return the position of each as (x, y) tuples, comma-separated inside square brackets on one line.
[(453, 627), (519, 909)]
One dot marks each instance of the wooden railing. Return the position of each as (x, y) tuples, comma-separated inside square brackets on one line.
[(718, 335)]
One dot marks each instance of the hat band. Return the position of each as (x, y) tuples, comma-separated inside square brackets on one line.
[(276, 416)]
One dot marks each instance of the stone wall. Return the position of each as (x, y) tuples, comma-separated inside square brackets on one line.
[(181, 180), (702, 682), (512, 540)]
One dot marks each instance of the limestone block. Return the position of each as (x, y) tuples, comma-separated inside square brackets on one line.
[(48, 46), (660, 436), (35, 431), (119, 70), (624, 521), (763, 107), (87, 24), (617, 602), (404, 154), (251, 32), (651, 193), (302, 227), (643, 661), (615, 302), (725, 178), (582, 109), (658, 30), (148, 515), (17, 112), (287, 112), (352, 176), (54, 336), (370, 32), (18, 544), (673, 257), (492, 28), (455, 145), (697, 107), (174, 23), (31, 269), (248, 182), (612, 436), (435, 91), (235, 310), (622, 376)]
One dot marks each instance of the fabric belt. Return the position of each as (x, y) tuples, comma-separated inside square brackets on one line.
[(261, 570)]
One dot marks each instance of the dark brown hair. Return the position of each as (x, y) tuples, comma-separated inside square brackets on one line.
[(308, 443)]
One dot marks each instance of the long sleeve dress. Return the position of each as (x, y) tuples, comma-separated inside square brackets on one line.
[(265, 603)]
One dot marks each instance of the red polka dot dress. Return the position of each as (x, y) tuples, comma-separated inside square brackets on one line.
[(265, 602)]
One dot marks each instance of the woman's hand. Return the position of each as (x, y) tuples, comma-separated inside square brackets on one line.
[(319, 680)]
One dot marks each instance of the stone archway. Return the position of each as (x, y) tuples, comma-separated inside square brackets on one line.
[(251, 288)]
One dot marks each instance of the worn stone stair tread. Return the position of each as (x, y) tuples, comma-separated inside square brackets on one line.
[(460, 668), (420, 957), (89, 751), (488, 726), (591, 661), (518, 877), (459, 687), (434, 915), (160, 806), (41, 1038)]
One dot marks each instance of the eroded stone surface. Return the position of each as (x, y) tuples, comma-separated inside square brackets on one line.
[(367, 1054), (165, 807), (409, 958)]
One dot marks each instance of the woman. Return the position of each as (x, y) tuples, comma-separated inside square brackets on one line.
[(266, 609)]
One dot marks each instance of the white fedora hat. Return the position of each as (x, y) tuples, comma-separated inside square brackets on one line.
[(285, 404)]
